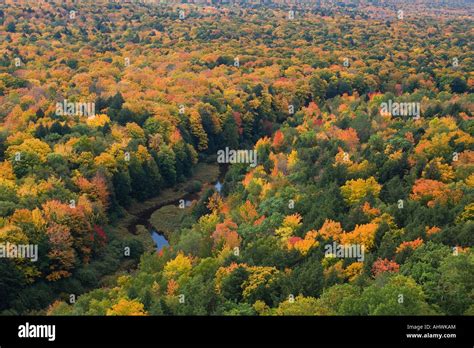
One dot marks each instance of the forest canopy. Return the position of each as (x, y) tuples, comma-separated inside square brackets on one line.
[(103, 107)]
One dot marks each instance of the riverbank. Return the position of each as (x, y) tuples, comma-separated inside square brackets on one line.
[(137, 217), (136, 225)]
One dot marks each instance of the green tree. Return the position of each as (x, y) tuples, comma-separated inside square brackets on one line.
[(390, 295), (166, 160)]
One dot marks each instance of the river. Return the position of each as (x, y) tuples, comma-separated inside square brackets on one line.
[(143, 216)]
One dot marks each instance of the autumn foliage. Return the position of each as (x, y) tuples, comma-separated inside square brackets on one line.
[(384, 265), (332, 167)]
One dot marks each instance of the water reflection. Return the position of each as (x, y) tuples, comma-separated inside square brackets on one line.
[(159, 240)]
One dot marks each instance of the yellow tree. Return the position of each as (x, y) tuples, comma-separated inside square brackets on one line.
[(289, 226), (179, 266), (198, 130), (354, 191), (362, 234), (127, 307)]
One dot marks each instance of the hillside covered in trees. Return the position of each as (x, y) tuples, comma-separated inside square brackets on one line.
[(102, 107)]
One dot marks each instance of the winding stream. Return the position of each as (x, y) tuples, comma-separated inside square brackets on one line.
[(143, 217), (160, 240)]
